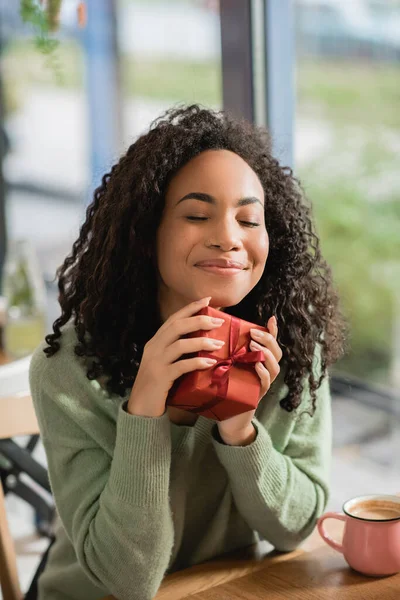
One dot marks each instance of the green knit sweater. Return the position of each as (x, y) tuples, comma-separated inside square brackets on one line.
[(139, 497)]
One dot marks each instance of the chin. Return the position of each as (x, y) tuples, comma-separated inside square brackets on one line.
[(224, 302)]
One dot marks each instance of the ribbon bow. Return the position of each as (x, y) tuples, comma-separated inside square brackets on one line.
[(220, 376)]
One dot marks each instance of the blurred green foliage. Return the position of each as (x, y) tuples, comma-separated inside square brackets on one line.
[(35, 15), (357, 93), (176, 80), (355, 190), (359, 238)]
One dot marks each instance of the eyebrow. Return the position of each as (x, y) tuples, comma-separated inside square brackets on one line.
[(211, 200)]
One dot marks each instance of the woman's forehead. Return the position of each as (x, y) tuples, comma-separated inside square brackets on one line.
[(221, 173)]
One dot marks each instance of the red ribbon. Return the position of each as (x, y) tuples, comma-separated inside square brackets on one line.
[(220, 376)]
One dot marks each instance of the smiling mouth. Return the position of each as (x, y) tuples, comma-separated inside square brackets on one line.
[(227, 271), (222, 264)]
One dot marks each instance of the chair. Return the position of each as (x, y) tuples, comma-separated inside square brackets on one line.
[(17, 417), (14, 459)]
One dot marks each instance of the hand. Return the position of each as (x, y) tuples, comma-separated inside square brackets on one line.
[(160, 367), (238, 430)]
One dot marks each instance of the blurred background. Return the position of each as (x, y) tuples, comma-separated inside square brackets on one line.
[(322, 75)]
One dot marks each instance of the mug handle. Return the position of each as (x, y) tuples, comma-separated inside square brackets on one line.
[(321, 530)]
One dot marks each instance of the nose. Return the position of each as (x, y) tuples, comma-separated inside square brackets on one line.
[(225, 234)]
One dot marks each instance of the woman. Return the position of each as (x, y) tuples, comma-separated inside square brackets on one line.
[(143, 489)]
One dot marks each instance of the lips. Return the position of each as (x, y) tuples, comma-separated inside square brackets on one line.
[(222, 263)]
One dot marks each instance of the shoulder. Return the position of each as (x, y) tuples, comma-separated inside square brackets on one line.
[(66, 401), (64, 363)]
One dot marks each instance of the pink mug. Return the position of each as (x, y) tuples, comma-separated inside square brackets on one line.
[(371, 536)]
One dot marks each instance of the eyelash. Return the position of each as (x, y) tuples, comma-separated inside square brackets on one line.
[(248, 223)]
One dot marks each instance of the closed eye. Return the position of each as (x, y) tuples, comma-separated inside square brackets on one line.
[(247, 223)]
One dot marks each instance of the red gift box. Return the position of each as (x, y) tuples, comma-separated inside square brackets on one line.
[(231, 386)]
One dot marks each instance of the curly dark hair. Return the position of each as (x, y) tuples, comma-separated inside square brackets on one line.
[(108, 282)]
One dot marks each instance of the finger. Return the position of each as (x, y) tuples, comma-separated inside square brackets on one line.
[(272, 326), (270, 361), (186, 311), (268, 341), (181, 367), (185, 326), (189, 345), (192, 324), (265, 378)]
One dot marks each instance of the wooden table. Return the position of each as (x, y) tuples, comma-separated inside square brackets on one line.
[(313, 572)]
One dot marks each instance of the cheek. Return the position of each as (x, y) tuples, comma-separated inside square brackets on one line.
[(261, 248), (173, 247), (166, 236)]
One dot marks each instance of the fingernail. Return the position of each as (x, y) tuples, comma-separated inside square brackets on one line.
[(256, 333), (274, 319), (205, 300), (255, 345), (217, 321), (210, 361)]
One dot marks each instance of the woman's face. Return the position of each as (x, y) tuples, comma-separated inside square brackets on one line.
[(214, 209)]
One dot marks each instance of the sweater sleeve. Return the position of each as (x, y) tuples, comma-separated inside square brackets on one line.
[(113, 505), (282, 494)]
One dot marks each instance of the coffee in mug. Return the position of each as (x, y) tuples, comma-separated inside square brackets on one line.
[(371, 535), (376, 510)]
